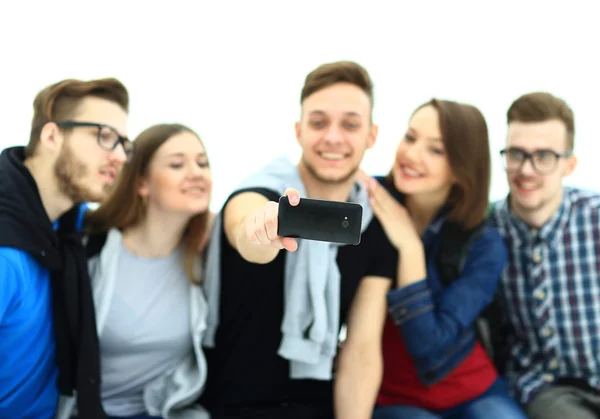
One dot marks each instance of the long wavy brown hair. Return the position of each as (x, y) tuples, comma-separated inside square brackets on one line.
[(466, 140), (124, 207)]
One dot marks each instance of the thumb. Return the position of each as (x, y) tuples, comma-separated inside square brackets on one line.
[(293, 196), (289, 244)]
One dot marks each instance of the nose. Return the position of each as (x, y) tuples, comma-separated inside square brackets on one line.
[(195, 171), (118, 154), (527, 168), (412, 152), (334, 135)]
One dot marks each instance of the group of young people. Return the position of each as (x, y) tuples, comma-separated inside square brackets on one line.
[(149, 306)]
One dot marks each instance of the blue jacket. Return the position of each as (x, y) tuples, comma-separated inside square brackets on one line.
[(28, 370), (437, 322)]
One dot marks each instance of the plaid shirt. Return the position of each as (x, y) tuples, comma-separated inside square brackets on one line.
[(551, 288)]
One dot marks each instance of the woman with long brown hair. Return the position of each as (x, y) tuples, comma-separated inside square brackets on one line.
[(427, 360), (145, 268)]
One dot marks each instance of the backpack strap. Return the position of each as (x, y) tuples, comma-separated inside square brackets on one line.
[(455, 243)]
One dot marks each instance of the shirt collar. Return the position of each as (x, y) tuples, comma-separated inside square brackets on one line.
[(551, 228)]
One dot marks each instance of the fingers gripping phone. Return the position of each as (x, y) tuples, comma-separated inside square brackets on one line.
[(315, 219)]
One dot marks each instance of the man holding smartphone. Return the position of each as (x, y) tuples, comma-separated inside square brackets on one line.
[(278, 304)]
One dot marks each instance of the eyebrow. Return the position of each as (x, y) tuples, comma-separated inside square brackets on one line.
[(349, 113), (180, 154), (435, 139)]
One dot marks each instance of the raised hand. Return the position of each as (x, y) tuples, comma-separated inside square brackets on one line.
[(392, 215), (261, 226)]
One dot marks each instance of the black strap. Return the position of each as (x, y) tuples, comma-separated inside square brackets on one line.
[(94, 244), (455, 243)]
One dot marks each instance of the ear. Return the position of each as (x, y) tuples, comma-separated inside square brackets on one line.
[(297, 129), (571, 165), (453, 179), (51, 138), (373, 132), (143, 188)]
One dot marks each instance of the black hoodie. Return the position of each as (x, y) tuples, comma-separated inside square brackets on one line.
[(24, 225)]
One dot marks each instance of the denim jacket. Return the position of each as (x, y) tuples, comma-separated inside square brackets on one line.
[(437, 322)]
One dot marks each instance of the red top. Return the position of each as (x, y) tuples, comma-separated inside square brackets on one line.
[(401, 385)]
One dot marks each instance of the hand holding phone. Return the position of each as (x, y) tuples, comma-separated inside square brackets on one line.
[(262, 226), (315, 219)]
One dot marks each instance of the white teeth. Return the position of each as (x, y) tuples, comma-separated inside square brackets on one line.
[(410, 172), (527, 186), (332, 156)]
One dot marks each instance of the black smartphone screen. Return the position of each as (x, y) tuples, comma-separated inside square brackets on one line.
[(315, 219)]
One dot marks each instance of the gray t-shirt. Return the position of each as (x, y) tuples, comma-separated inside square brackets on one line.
[(147, 329)]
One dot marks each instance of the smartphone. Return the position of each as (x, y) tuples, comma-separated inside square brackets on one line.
[(315, 219)]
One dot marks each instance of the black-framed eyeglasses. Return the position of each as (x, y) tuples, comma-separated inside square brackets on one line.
[(543, 161), (108, 138)]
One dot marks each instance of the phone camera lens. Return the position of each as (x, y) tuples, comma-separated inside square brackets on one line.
[(345, 223)]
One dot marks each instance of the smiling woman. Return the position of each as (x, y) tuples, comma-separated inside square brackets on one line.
[(155, 189), (435, 365), (143, 249)]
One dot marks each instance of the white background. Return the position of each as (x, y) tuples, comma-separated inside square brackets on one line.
[(233, 70)]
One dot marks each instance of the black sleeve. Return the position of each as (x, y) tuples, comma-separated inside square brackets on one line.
[(382, 258), (270, 194)]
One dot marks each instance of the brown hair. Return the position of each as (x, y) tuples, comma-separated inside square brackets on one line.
[(540, 107), (466, 140), (124, 207), (337, 72), (59, 101)]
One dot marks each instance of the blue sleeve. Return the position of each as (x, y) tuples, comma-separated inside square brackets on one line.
[(430, 323), (7, 287)]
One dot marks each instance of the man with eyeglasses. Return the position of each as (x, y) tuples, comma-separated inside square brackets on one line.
[(551, 286), (48, 341)]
